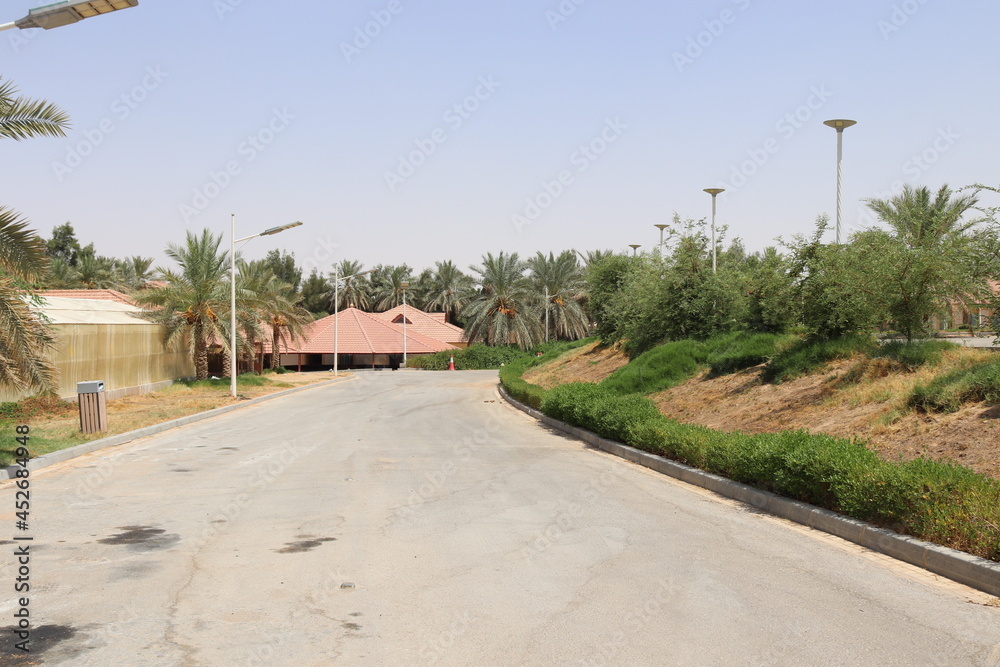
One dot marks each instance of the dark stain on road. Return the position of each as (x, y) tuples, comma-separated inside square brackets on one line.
[(43, 638), (304, 545), (182, 470), (142, 538), (350, 626)]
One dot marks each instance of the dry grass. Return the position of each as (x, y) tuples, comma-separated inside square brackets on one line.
[(55, 425), (590, 363)]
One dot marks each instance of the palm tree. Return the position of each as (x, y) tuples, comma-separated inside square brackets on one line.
[(275, 306), (562, 278), (195, 300), (24, 340), (387, 286), (355, 290), (502, 313), (920, 220), (448, 290)]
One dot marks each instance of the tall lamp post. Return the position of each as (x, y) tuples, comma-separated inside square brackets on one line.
[(404, 285), (336, 312), (635, 248), (661, 228), (840, 125), (232, 291), (715, 192), (64, 13)]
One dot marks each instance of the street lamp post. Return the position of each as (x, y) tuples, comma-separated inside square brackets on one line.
[(336, 314), (404, 285), (715, 192), (840, 125), (661, 228), (64, 13), (232, 291), (635, 248)]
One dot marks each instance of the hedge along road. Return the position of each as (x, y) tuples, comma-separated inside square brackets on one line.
[(415, 518)]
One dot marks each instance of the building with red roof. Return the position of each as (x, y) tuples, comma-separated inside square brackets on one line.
[(431, 325), (362, 340)]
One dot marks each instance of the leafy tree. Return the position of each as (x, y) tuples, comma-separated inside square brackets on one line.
[(387, 286), (314, 294), (282, 264), (607, 277), (502, 313), (449, 290), (195, 301), (273, 308), (64, 245), (354, 290), (24, 340)]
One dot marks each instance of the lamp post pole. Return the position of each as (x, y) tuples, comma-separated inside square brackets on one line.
[(635, 249), (404, 285), (232, 291), (840, 125), (661, 228), (546, 313), (715, 192)]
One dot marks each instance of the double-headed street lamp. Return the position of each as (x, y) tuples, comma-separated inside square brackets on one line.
[(840, 125), (715, 192), (64, 13), (232, 292), (336, 311)]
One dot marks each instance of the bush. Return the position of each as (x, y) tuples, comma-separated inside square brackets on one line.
[(810, 354), (913, 355), (661, 368), (948, 392), (737, 351)]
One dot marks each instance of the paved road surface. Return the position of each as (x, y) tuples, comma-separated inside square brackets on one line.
[(413, 518)]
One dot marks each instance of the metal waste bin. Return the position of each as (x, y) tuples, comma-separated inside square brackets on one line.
[(93, 406)]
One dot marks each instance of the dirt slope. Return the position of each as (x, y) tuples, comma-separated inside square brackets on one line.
[(858, 398)]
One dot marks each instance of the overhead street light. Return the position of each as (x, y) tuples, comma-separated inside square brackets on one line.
[(336, 312), (715, 192), (64, 13), (232, 288), (840, 125)]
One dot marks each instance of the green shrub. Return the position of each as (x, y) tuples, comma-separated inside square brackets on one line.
[(949, 392), (245, 380), (661, 368), (736, 351), (913, 355), (811, 354)]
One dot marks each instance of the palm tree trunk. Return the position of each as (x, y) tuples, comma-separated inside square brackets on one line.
[(200, 353), (275, 344)]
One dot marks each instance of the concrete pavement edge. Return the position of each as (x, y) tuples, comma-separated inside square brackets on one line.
[(61, 455), (975, 572)]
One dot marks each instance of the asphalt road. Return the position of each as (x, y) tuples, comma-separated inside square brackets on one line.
[(413, 518)]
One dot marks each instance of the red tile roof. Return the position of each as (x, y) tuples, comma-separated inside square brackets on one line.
[(360, 333), (92, 294), (425, 323)]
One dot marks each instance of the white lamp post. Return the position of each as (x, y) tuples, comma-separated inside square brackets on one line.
[(64, 13), (404, 285), (715, 192), (635, 248), (840, 125), (232, 292), (661, 228), (336, 315)]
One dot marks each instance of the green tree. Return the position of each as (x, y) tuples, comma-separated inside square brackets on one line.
[(195, 301), (273, 309), (282, 264), (354, 290), (314, 294), (24, 340), (64, 245), (502, 313), (563, 279), (387, 286), (449, 290)]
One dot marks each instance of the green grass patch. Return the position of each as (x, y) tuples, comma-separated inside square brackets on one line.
[(809, 355), (658, 369), (914, 354), (245, 380), (949, 392), (734, 352)]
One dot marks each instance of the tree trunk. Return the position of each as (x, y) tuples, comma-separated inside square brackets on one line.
[(275, 347), (200, 353)]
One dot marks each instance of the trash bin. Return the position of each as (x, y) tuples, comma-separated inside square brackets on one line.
[(93, 406)]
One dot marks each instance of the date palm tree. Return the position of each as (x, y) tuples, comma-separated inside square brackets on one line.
[(354, 292), (448, 290), (562, 278), (504, 312), (274, 308), (24, 340), (387, 286), (195, 301), (921, 219)]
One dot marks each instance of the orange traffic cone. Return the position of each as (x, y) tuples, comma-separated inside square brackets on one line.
[(451, 363)]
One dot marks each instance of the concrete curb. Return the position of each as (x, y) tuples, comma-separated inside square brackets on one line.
[(964, 568), (53, 458)]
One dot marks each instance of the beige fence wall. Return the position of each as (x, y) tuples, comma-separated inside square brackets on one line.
[(130, 358)]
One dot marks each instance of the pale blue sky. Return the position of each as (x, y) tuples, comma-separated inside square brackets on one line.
[(165, 95)]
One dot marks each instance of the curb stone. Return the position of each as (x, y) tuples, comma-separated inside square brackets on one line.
[(52, 458), (975, 572)]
